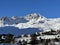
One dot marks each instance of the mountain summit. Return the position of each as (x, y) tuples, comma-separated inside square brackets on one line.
[(31, 21), (32, 16)]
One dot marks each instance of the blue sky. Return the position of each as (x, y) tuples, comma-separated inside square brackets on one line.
[(48, 8)]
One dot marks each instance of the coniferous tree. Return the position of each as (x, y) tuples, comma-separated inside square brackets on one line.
[(33, 40), (9, 38)]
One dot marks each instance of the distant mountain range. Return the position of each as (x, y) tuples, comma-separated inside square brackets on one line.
[(30, 23)]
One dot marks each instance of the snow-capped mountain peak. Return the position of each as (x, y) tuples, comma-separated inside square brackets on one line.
[(5, 19), (31, 21), (15, 17), (33, 16)]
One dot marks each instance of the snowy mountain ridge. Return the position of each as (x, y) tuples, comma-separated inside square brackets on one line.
[(31, 21)]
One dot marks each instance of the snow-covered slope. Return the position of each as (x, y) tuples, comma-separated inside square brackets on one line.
[(31, 21), (17, 31)]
